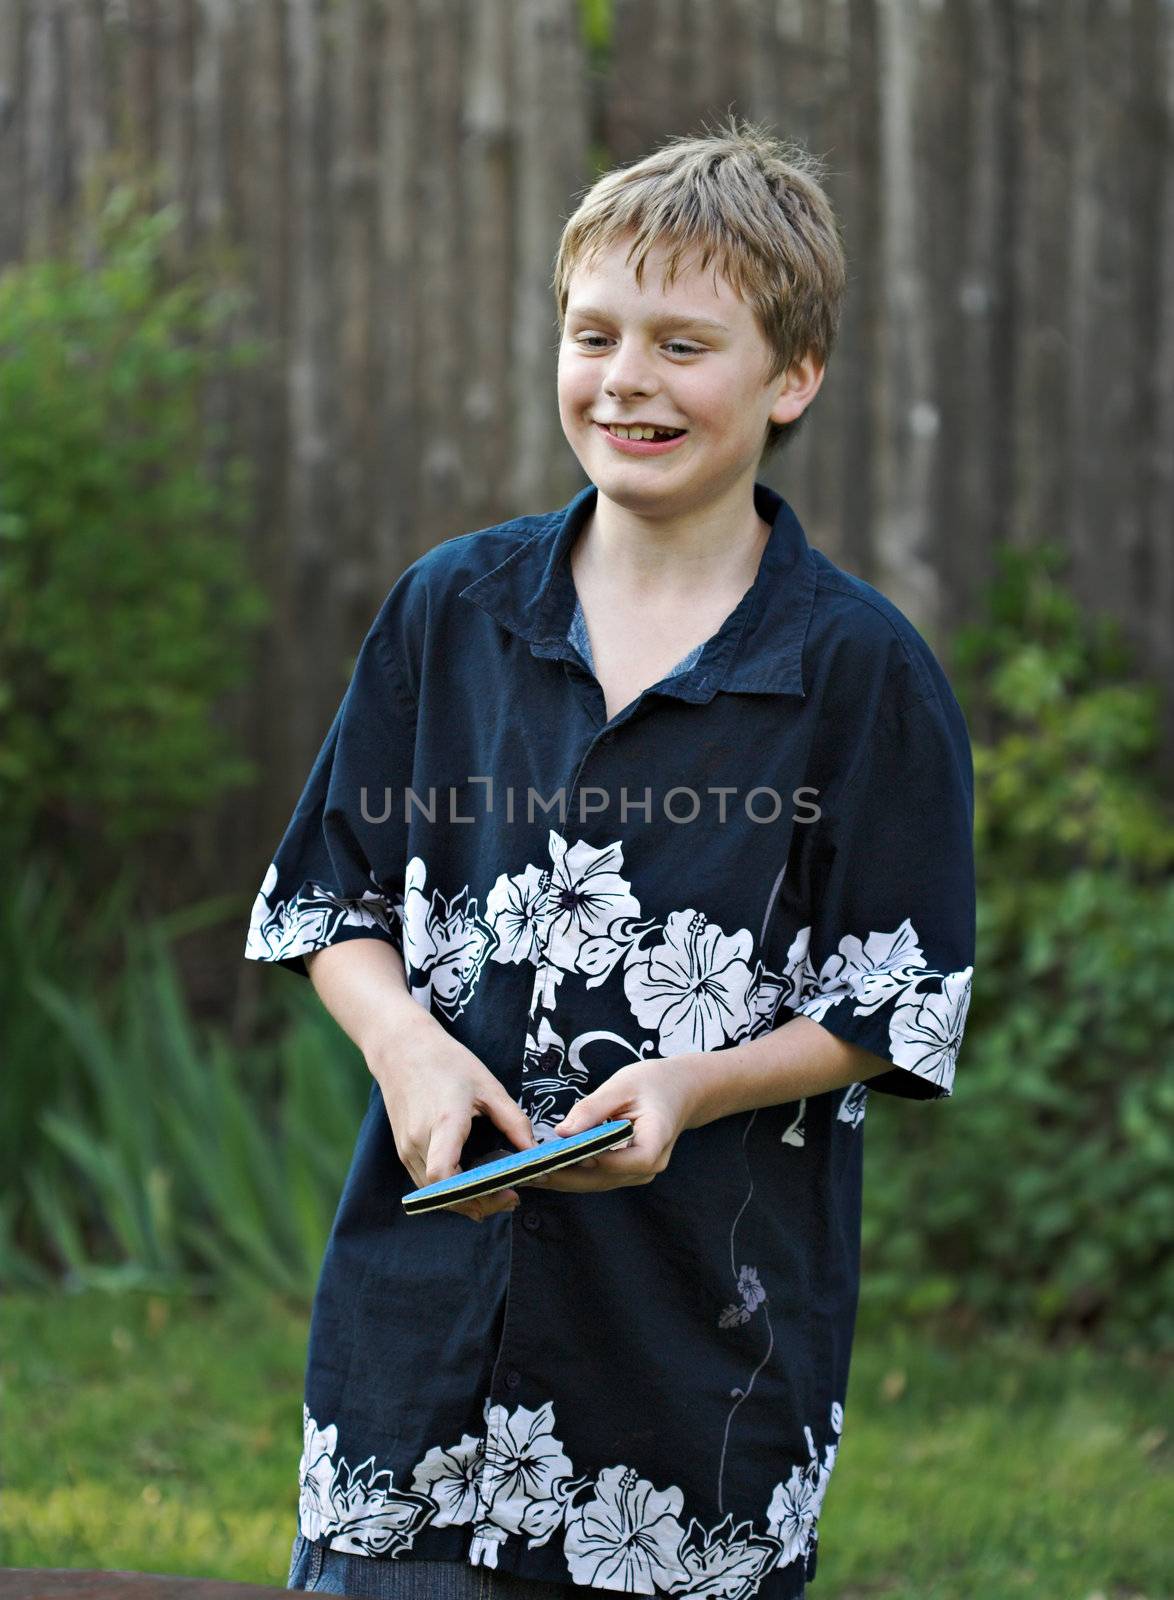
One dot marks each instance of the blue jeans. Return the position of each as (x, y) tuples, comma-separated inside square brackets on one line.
[(333, 1572)]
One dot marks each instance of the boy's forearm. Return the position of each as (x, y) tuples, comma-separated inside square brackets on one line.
[(362, 983), (799, 1058)]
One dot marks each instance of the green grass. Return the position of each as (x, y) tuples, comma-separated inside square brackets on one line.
[(997, 1470), (163, 1436), (150, 1434)]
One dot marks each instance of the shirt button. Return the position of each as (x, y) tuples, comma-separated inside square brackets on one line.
[(513, 1378), (531, 1220)]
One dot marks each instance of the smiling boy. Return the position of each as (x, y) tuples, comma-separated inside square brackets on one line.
[(633, 1380), (674, 541)]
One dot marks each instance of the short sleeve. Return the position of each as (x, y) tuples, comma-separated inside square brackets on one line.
[(338, 872), (887, 960)]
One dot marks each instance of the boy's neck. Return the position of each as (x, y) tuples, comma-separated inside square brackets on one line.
[(668, 560)]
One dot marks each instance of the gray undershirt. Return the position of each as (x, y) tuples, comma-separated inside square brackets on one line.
[(577, 636)]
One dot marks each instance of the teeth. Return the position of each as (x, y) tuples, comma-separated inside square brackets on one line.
[(642, 433)]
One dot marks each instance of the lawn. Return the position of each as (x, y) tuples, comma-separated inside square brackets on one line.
[(163, 1435)]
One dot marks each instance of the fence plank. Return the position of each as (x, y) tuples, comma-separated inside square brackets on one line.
[(399, 534), (486, 198), (550, 125)]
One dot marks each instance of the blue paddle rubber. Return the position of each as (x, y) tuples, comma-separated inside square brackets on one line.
[(492, 1175)]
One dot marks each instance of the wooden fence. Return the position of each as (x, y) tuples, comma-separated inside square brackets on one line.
[(395, 174)]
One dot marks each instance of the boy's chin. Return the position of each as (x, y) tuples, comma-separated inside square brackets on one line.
[(609, 463)]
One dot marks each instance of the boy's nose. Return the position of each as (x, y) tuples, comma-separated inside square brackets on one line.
[(627, 380), (624, 370)]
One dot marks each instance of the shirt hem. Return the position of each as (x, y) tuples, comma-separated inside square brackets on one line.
[(454, 1544)]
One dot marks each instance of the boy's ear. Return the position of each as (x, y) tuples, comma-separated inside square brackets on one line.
[(798, 387)]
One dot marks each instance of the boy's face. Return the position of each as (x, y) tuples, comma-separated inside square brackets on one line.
[(632, 355)]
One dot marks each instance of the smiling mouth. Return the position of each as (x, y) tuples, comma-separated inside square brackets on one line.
[(641, 433)]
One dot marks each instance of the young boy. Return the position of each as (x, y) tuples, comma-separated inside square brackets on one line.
[(641, 808)]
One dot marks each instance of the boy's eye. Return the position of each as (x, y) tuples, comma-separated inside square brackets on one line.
[(672, 344)]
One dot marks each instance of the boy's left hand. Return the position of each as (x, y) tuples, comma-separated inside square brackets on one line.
[(655, 1096)]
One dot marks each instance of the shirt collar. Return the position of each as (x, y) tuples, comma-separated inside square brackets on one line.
[(757, 650)]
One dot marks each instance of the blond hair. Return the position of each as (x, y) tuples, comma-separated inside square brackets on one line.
[(741, 196)]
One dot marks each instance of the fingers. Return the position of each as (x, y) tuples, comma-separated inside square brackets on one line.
[(465, 1208), (508, 1115), (612, 1171), (487, 1205), (589, 1164), (446, 1144)]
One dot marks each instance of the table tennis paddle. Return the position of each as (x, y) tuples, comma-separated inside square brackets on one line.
[(500, 1171)]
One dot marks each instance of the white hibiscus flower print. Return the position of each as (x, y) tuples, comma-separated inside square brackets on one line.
[(588, 898), (692, 987), (870, 972), (824, 1472), (627, 1536), (513, 909), (487, 1541), (552, 1072), (795, 1505), (925, 1031), (619, 1051), (765, 996), (926, 1025), (445, 944), (524, 1480), (852, 1106), (311, 920), (544, 994), (796, 1133), (792, 1513), (549, 1075), (358, 1509), (725, 1563), (316, 1475), (451, 1478), (546, 1056), (798, 977)]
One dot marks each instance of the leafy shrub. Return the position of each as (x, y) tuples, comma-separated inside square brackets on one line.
[(189, 1160), (49, 930), (1041, 1189), (125, 602)]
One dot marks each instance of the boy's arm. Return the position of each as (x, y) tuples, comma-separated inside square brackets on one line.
[(432, 1086), (362, 983), (799, 1058)]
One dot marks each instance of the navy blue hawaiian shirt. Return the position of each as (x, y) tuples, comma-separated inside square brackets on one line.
[(637, 1390)]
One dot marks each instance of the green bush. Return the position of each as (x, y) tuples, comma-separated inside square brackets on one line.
[(188, 1161), (125, 601), (1041, 1189), (48, 931)]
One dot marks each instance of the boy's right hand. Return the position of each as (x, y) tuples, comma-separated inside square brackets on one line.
[(432, 1088)]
